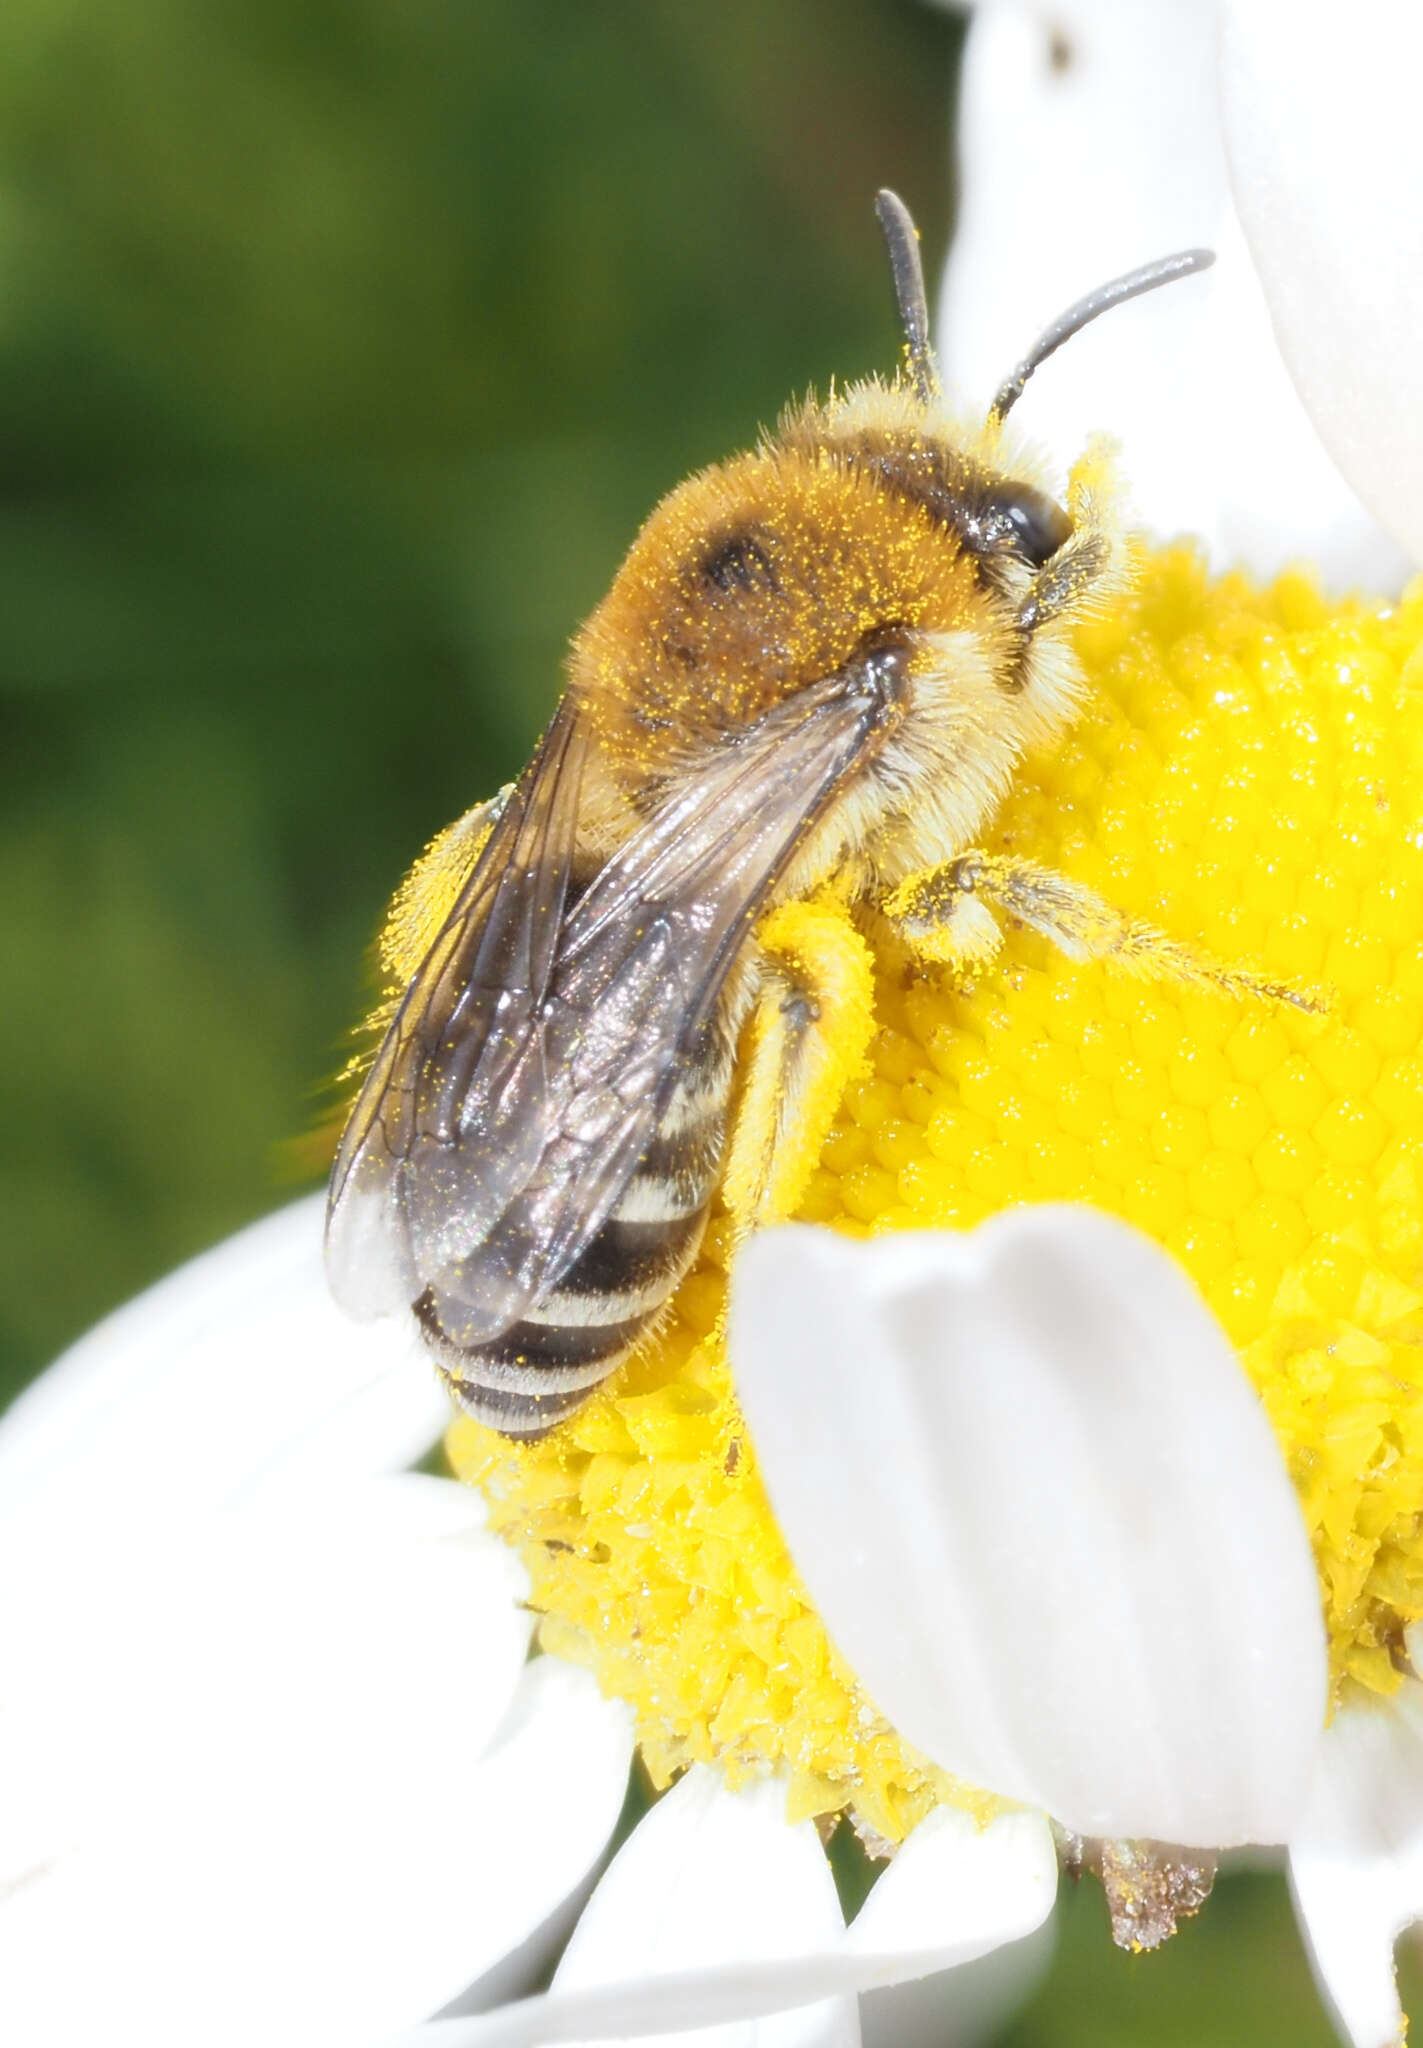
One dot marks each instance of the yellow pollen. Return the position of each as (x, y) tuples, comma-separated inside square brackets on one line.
[(1246, 778)]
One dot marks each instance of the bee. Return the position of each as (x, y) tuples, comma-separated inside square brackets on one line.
[(817, 670)]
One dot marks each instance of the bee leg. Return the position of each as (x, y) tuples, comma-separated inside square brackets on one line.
[(1082, 562), (428, 894), (808, 1036), (941, 916), (1062, 583), (944, 913)]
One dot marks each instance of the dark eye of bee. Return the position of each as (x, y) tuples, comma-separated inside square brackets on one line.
[(1029, 522)]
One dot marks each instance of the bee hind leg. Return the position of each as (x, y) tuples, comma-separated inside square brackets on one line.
[(950, 914), (807, 1037)]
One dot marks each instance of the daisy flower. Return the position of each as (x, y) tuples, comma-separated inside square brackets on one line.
[(275, 1767), (1051, 1577), (1045, 1499)]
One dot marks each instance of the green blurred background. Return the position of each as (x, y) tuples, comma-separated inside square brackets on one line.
[(343, 344)]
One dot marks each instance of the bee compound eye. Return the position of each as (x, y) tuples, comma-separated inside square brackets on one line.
[(1037, 524)]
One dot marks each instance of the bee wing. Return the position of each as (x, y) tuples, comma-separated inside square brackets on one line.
[(524, 1125), (472, 1006)]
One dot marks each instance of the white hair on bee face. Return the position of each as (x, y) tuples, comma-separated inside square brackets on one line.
[(1089, 139)]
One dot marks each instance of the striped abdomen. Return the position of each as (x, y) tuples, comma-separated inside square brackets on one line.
[(540, 1369)]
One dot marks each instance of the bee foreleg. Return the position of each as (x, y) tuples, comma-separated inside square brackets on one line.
[(807, 1036), (1061, 583), (1082, 563), (946, 913)]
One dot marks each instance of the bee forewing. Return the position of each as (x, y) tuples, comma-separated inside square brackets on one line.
[(369, 1265), (530, 1115), (470, 1007)]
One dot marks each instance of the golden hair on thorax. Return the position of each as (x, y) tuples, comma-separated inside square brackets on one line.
[(750, 581)]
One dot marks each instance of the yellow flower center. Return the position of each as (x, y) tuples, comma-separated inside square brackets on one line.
[(1248, 778)]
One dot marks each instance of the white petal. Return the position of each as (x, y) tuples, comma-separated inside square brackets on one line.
[(1125, 141), (251, 1764), (1036, 1503), (954, 1882), (951, 1878), (963, 1892), (1356, 1860), (1123, 149), (545, 1800), (713, 1877), (971, 2005), (1326, 158), (235, 1373)]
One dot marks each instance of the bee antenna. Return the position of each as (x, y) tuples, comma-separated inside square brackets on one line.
[(1165, 270), (902, 238)]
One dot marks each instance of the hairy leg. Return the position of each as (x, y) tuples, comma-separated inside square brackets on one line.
[(950, 913), (808, 1036)]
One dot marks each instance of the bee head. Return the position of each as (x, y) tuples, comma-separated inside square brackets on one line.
[(1000, 516)]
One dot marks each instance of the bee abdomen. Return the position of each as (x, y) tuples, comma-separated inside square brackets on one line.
[(543, 1367)]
